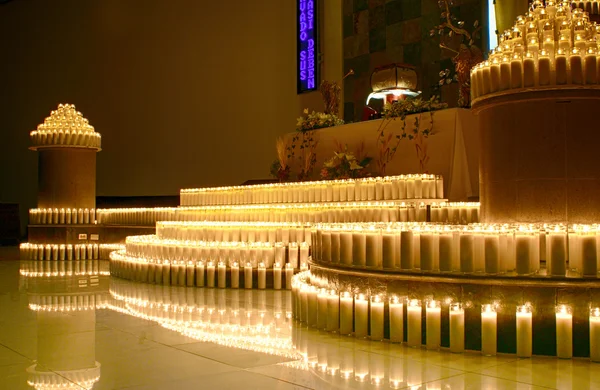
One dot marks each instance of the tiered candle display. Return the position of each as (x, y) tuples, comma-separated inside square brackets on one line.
[(401, 187), (65, 127), (553, 46)]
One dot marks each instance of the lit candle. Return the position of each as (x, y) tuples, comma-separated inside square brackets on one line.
[(524, 333), (406, 250), (346, 248), (414, 323), (494, 76), (557, 252), (488, 330), (293, 254), (390, 251), (210, 274), (322, 297), (166, 272), (181, 273), (248, 275), (433, 315), (427, 246), (325, 246), (199, 274), (335, 246), (262, 276), (222, 275), (303, 306), (528, 70), (576, 67), (359, 250), (235, 275), (396, 314), (564, 332), (446, 250), (523, 242), (277, 276), (516, 72), (289, 273), (457, 328), (346, 313), (333, 311), (561, 67), (595, 334), (158, 272), (312, 310), (361, 316), (589, 265), (492, 252), (377, 318), (373, 250), (466, 251)]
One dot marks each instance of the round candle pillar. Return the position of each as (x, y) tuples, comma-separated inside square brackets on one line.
[(595, 334), (376, 319), (524, 331), (414, 323), (544, 69), (561, 68), (466, 251), (523, 243), (235, 275), (199, 274), (359, 250), (303, 306), (494, 76), (492, 253), (277, 276), (427, 248), (262, 276), (322, 298), (556, 252), (181, 276), (457, 328), (589, 259), (529, 70), (361, 316), (406, 250), (346, 248), (516, 72), (333, 311), (166, 279), (576, 67), (210, 274), (488, 330), (289, 273), (390, 250), (433, 315), (222, 275), (248, 276), (346, 313), (396, 315), (311, 315), (564, 332), (373, 250)]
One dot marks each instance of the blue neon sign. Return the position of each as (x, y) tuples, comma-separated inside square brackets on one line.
[(307, 42)]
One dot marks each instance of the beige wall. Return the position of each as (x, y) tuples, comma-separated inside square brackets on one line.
[(184, 92)]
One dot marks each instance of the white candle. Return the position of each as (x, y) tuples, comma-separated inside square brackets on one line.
[(564, 332), (210, 274), (277, 276), (414, 323), (289, 273), (373, 250), (576, 67), (524, 331), (293, 254), (427, 251), (446, 251), (505, 74), (544, 69), (346, 313), (523, 242), (466, 251), (322, 298), (528, 70), (325, 246), (377, 318), (561, 68), (181, 274), (457, 328), (516, 72), (390, 252), (433, 314), (595, 334), (494, 76), (396, 314), (312, 309), (222, 275), (262, 276), (335, 246), (158, 272), (589, 266), (361, 316), (492, 253), (346, 248), (235, 275), (303, 307), (406, 250), (488, 330), (166, 272), (333, 311), (359, 250), (199, 274), (248, 276), (556, 253)]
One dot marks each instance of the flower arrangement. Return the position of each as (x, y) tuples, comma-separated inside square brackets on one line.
[(280, 168), (346, 165), (330, 91), (317, 120), (466, 53), (387, 142)]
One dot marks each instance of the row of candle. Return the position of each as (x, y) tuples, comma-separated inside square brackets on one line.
[(54, 216), (589, 6), (36, 268), (151, 247), (489, 249), (363, 316), (145, 216), (65, 138), (30, 251), (67, 303), (309, 213), (200, 273), (418, 186), (455, 212), (271, 232)]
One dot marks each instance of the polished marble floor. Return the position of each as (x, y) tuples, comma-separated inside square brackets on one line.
[(74, 327)]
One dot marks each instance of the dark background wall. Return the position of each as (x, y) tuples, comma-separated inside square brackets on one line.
[(380, 32), (185, 93)]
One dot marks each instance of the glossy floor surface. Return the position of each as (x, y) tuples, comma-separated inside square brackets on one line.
[(84, 331)]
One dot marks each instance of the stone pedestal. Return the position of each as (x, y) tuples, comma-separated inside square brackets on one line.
[(539, 156), (67, 177)]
